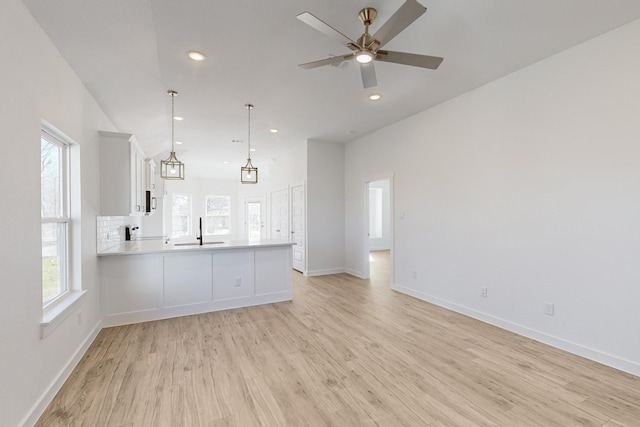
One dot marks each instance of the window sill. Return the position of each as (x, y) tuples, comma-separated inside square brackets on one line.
[(54, 316)]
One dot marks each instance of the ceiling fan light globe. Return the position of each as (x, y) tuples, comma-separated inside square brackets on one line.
[(364, 57)]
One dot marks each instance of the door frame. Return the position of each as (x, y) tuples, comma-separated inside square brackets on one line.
[(392, 237), (302, 184), (263, 214)]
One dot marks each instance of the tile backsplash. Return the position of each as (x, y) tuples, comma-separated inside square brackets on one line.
[(110, 230)]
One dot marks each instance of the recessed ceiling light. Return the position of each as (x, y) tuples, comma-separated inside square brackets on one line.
[(196, 56), (178, 118), (225, 162), (273, 130), (375, 96), (179, 143), (252, 149)]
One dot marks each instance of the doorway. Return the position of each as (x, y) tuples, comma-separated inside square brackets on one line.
[(298, 228), (379, 236), (254, 209)]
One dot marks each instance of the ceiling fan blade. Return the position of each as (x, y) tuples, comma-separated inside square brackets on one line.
[(408, 12), (423, 61), (325, 29), (328, 61), (368, 75)]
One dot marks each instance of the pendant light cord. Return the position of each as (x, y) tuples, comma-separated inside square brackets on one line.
[(249, 107), (173, 120)]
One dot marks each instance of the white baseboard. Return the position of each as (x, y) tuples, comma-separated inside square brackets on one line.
[(45, 399), (358, 274), (325, 272), (557, 342)]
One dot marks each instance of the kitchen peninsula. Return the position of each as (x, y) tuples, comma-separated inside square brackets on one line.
[(150, 280)]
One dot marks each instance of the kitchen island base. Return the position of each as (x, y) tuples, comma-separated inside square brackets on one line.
[(152, 286)]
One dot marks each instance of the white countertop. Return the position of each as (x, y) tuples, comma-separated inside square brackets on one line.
[(139, 247)]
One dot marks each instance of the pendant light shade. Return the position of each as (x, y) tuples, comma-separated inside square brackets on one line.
[(172, 168), (249, 173)]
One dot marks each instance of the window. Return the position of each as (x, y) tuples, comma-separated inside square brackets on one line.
[(217, 214), (54, 194), (180, 215)]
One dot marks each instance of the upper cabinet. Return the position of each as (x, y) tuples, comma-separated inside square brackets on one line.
[(150, 175), (153, 182), (122, 175)]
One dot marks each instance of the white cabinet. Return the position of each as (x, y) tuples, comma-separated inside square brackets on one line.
[(187, 279), (130, 287), (150, 174), (232, 275), (272, 275), (139, 288), (122, 175)]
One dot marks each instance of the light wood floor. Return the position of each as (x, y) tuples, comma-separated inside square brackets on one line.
[(345, 352)]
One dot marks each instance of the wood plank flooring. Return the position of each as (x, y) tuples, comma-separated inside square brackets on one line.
[(344, 352)]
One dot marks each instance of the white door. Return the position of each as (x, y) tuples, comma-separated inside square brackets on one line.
[(254, 214), (298, 229), (280, 215)]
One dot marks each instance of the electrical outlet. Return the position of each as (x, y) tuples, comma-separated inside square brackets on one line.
[(414, 275), (483, 292), (548, 309), (238, 282)]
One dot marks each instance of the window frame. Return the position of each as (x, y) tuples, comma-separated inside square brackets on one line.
[(207, 216), (189, 216), (62, 218)]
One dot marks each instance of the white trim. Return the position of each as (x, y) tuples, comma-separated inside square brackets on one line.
[(392, 229), (191, 233), (325, 272), (55, 313), (47, 397), (54, 137), (355, 273), (206, 216), (562, 344)]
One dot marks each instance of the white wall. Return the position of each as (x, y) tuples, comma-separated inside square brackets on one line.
[(384, 241), (529, 186), (288, 166), (325, 208), (39, 85)]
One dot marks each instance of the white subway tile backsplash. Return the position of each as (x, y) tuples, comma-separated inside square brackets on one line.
[(110, 230)]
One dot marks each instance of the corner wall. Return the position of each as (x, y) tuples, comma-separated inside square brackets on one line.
[(39, 85), (529, 186), (325, 208)]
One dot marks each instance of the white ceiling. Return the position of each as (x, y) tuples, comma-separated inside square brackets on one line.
[(129, 53)]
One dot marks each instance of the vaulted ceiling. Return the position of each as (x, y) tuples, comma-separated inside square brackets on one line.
[(129, 53)]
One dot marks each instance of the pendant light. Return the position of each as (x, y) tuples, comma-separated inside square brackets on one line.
[(172, 168), (249, 173)]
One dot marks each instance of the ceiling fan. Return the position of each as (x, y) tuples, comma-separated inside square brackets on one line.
[(367, 48)]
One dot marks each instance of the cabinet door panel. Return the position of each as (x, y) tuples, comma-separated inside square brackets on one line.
[(131, 283), (273, 270), (187, 279), (232, 274)]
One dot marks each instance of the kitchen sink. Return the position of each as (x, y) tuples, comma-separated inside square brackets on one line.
[(197, 244)]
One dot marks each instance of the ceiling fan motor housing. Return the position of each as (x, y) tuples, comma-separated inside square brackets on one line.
[(367, 15)]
